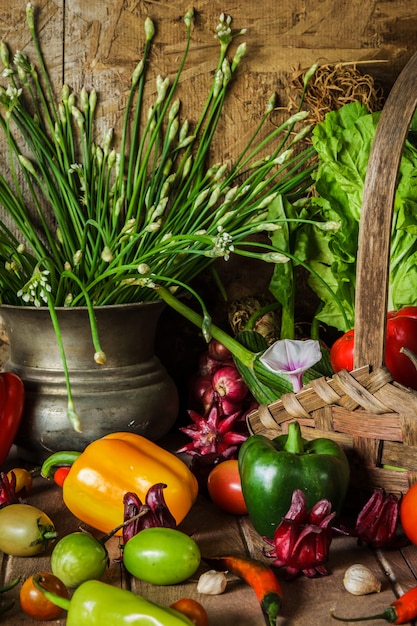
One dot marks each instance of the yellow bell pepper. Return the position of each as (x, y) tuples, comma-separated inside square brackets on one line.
[(114, 465)]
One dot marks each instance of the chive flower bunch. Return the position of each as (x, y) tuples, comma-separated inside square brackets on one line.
[(90, 223)]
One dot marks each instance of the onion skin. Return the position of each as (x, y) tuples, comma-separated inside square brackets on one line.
[(230, 385), (218, 351)]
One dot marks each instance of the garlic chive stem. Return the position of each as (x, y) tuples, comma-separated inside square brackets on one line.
[(240, 352)]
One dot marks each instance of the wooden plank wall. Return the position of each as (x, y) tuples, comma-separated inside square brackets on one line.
[(98, 43)]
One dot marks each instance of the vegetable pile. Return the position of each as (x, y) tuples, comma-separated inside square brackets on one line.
[(155, 549)]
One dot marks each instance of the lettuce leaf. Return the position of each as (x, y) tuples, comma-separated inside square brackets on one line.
[(343, 142)]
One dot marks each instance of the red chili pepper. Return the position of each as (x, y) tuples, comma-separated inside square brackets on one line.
[(401, 611), (259, 576), (11, 409), (60, 474)]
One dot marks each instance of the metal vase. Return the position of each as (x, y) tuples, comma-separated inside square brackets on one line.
[(131, 392)]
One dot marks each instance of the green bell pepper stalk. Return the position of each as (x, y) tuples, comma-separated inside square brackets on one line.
[(270, 471), (95, 603)]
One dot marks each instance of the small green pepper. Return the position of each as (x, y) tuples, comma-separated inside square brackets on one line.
[(270, 471), (95, 603)]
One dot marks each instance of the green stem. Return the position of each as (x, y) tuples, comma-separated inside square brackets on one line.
[(251, 323), (288, 317), (244, 355), (72, 415), (63, 603), (294, 443), (63, 457), (389, 615), (10, 585)]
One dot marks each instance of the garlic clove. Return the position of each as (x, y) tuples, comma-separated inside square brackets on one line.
[(212, 583), (359, 580)]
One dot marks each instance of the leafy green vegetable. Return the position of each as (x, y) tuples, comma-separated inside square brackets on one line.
[(343, 142)]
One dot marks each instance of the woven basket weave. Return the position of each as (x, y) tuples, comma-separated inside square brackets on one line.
[(371, 416)]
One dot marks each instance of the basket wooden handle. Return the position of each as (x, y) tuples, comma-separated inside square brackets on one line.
[(372, 276)]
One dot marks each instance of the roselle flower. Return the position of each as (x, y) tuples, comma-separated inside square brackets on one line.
[(302, 540), (212, 433), (377, 522), (8, 490), (154, 512), (292, 357)]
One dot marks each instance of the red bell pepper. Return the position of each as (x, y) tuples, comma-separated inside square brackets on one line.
[(401, 335), (12, 395)]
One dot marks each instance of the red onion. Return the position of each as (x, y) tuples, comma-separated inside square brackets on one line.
[(207, 364), (230, 385), (218, 351), (200, 386)]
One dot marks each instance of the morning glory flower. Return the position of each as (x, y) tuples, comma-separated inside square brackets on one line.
[(292, 357)]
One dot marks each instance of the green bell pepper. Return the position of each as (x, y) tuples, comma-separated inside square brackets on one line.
[(95, 603), (270, 471)]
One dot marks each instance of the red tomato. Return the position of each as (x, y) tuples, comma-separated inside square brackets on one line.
[(33, 601), (408, 513), (193, 610), (341, 352), (225, 488), (60, 475)]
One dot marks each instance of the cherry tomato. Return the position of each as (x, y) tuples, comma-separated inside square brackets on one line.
[(225, 488), (341, 352), (193, 610), (24, 480), (408, 513), (60, 474), (33, 601)]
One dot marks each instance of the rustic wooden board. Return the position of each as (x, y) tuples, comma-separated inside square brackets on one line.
[(305, 600)]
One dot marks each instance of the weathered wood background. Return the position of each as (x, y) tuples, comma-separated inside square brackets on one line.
[(97, 43)]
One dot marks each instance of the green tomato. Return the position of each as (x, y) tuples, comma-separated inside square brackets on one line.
[(25, 530), (78, 557), (161, 556)]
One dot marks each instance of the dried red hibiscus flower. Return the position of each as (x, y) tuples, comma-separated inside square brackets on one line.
[(154, 512), (302, 540), (377, 522), (212, 433)]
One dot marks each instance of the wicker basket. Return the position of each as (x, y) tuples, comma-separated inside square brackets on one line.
[(371, 416)]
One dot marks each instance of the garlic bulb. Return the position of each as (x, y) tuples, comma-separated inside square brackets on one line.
[(212, 583), (359, 580)]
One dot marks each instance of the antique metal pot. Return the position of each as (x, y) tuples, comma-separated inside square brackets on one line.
[(132, 391)]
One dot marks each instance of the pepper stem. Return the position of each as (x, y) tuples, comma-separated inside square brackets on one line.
[(64, 603), (389, 615), (294, 443), (410, 354), (63, 457), (271, 604)]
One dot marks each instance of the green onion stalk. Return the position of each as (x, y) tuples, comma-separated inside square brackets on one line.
[(88, 223)]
